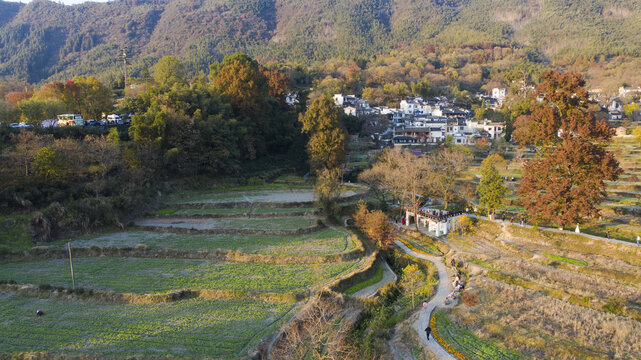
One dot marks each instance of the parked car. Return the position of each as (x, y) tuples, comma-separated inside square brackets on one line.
[(14, 125), (102, 122)]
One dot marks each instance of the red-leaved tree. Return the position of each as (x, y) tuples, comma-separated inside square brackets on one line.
[(566, 181)]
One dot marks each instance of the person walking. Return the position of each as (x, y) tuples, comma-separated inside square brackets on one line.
[(428, 331), (638, 239), (607, 234)]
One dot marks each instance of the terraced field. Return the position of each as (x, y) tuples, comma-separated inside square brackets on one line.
[(239, 300), (281, 223), (324, 242), (265, 196), (139, 275), (191, 328), (622, 206), (546, 295)]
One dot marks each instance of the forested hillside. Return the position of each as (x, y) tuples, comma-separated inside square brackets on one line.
[(46, 40)]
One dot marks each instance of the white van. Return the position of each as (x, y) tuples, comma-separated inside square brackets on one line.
[(114, 119)]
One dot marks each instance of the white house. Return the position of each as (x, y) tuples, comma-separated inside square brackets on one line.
[(437, 222), (500, 94), (629, 91), (494, 129)]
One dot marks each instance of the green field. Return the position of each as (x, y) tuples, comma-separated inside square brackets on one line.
[(191, 328), (324, 242), (140, 275), (277, 223), (467, 343), (234, 211)]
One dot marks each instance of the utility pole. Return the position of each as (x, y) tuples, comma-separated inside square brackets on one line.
[(73, 280), (123, 56)]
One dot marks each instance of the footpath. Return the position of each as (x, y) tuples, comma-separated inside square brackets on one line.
[(438, 299)]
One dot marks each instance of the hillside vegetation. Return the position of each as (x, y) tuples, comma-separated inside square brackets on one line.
[(46, 40)]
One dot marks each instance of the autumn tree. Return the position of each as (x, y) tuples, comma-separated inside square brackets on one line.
[(566, 181), (87, 96), (491, 190), (327, 137), (374, 224), (412, 278), (328, 192)]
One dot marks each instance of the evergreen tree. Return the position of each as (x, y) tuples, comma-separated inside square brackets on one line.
[(490, 189)]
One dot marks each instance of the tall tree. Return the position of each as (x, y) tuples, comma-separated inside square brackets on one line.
[(88, 96), (566, 181), (327, 141), (491, 189), (169, 71), (447, 165)]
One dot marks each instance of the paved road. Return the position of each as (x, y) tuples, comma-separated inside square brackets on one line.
[(438, 299)]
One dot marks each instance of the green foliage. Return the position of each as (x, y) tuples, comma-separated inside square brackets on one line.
[(327, 140), (378, 276), (89, 97), (491, 189), (584, 32), (169, 71), (567, 260), (49, 166), (34, 111)]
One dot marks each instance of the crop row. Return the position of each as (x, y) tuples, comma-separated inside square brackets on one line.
[(324, 242), (278, 223), (143, 275), (465, 343), (193, 328)]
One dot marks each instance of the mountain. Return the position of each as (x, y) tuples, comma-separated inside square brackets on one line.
[(46, 40)]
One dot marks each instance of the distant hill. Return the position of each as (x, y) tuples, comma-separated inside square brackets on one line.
[(46, 40)]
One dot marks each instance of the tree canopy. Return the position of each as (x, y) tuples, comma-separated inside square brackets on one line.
[(566, 180)]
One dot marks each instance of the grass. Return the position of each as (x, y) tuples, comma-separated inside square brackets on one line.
[(325, 242), (233, 211), (567, 260), (192, 328), (141, 275), (424, 245), (167, 211), (13, 233), (378, 276), (465, 342)]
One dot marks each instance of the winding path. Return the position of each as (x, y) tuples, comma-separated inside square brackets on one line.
[(442, 291)]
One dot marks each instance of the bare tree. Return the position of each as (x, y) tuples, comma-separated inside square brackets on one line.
[(447, 165)]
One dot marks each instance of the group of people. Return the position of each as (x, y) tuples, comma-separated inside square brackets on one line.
[(458, 286)]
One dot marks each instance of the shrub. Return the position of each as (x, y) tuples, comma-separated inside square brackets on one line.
[(614, 306), (470, 299)]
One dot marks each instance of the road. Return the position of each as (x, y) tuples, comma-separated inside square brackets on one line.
[(438, 299)]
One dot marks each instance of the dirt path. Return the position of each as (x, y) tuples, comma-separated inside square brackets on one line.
[(388, 276), (438, 299)]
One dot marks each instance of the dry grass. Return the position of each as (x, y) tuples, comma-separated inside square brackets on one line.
[(550, 309)]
